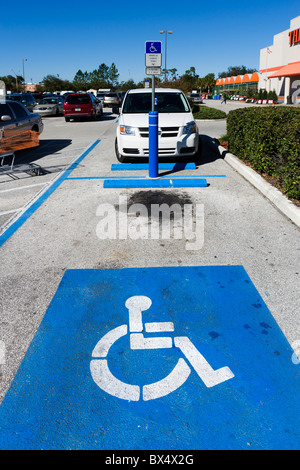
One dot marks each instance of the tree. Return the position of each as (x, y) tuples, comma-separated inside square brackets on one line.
[(52, 83), (81, 81), (235, 70), (12, 83), (191, 72), (113, 75), (129, 85), (171, 74), (209, 81), (102, 72)]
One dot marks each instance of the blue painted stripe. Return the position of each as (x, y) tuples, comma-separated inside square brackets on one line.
[(145, 166), (142, 177), (28, 213), (155, 183)]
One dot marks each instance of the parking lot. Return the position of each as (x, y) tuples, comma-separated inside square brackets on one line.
[(56, 236)]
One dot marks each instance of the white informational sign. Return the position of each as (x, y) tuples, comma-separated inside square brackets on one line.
[(153, 70)]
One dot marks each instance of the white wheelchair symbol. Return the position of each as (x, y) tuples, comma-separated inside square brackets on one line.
[(103, 377), (152, 48)]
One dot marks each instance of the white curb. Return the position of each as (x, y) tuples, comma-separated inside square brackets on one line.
[(273, 194)]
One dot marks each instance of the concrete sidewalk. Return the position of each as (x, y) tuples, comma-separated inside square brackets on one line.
[(232, 105)]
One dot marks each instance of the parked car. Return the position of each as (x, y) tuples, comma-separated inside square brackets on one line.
[(196, 98), (112, 99), (15, 119), (82, 105), (51, 106), (25, 98), (37, 96), (100, 96), (177, 135)]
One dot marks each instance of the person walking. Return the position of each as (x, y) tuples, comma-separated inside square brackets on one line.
[(224, 98)]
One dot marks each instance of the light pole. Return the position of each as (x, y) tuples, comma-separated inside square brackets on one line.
[(166, 33), (24, 60)]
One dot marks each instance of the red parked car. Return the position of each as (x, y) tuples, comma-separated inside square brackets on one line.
[(82, 105)]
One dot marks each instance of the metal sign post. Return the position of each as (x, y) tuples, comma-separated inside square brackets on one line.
[(153, 67)]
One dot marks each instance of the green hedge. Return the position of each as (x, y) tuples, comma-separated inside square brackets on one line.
[(205, 112), (269, 140)]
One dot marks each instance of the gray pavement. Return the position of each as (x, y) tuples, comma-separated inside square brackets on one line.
[(241, 227)]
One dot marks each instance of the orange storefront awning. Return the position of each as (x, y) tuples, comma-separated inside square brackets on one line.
[(287, 70)]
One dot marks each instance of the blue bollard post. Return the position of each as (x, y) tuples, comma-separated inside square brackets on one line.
[(153, 144)]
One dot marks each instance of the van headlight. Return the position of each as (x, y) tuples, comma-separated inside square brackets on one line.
[(190, 128), (127, 130)]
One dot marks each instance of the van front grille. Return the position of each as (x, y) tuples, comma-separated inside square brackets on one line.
[(162, 131), (167, 151)]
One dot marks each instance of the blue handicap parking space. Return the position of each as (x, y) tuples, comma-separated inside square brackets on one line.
[(155, 358)]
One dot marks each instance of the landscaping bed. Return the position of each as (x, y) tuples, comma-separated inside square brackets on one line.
[(268, 140)]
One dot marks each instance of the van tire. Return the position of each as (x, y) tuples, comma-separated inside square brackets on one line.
[(199, 151), (120, 157)]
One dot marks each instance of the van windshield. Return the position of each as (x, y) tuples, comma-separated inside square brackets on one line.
[(164, 103)]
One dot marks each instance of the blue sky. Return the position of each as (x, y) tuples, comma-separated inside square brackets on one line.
[(61, 37)]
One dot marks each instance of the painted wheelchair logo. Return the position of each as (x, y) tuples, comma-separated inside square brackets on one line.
[(103, 377)]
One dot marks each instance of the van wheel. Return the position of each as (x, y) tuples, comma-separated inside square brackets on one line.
[(67, 119), (199, 151), (120, 157)]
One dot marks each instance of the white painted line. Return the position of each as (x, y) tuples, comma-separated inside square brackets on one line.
[(21, 187), (110, 384), (138, 341), (174, 380), (206, 373), (102, 347), (39, 194), (159, 327), (12, 211), (136, 305)]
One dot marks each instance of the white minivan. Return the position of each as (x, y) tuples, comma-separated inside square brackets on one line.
[(178, 134)]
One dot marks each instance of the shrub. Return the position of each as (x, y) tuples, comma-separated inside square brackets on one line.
[(269, 139), (205, 112)]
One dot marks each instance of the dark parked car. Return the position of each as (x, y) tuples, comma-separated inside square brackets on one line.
[(25, 98), (15, 119), (37, 96), (82, 105)]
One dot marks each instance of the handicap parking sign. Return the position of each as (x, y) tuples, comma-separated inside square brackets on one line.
[(152, 359)]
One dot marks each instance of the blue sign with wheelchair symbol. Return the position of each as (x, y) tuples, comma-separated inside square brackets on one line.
[(153, 47), (153, 359)]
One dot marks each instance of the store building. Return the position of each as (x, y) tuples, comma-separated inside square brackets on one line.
[(237, 85), (279, 66)]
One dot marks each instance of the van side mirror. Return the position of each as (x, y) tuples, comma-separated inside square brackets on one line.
[(5, 117), (195, 109), (116, 110)]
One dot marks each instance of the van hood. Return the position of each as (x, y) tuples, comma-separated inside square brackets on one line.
[(164, 119)]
